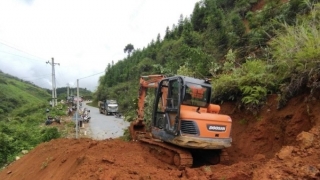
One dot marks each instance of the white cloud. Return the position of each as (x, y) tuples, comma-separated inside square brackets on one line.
[(82, 35)]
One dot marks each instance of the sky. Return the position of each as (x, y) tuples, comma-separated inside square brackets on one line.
[(83, 36)]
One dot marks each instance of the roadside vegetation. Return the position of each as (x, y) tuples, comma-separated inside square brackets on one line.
[(22, 116), (249, 49)]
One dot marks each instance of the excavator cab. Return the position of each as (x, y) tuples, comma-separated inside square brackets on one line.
[(184, 116), (167, 105)]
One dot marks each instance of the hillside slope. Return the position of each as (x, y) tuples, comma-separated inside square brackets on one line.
[(288, 148), (23, 109), (15, 93)]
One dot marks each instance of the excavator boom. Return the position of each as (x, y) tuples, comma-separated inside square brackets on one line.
[(150, 81), (146, 82)]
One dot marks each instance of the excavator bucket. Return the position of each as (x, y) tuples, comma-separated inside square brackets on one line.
[(136, 129)]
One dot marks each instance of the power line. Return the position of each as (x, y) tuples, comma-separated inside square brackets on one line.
[(59, 84), (19, 56), (59, 77), (92, 75), (20, 50), (36, 77), (55, 81)]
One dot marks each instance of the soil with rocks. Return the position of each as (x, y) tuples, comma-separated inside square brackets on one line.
[(274, 144)]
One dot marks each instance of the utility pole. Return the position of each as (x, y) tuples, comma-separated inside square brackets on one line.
[(67, 90), (77, 125), (54, 90)]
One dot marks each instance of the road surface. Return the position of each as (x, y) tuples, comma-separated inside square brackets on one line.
[(104, 127)]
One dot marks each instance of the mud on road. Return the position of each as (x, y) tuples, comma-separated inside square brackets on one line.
[(275, 144)]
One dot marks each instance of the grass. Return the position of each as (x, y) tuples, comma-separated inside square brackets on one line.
[(243, 121)]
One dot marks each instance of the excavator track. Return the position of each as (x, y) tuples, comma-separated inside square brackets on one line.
[(224, 157), (170, 154)]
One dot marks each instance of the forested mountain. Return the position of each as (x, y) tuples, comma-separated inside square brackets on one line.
[(62, 93), (249, 48)]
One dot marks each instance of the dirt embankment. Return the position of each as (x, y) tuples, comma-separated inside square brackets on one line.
[(275, 144)]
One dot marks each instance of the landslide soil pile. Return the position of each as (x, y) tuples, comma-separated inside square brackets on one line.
[(274, 144)]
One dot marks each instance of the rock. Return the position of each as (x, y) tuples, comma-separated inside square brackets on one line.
[(132, 172), (305, 139), (259, 157), (190, 173), (309, 171), (93, 143), (297, 161), (24, 151), (315, 131), (176, 173), (285, 152), (108, 160), (64, 160), (17, 158), (207, 170)]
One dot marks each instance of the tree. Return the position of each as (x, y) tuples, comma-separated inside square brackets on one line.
[(198, 18), (129, 48), (158, 39), (180, 25), (167, 35)]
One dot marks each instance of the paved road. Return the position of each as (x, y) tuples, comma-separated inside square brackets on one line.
[(104, 127)]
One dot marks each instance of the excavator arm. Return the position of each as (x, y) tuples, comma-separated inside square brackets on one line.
[(146, 82)]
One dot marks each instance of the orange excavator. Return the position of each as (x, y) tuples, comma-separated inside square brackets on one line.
[(185, 126)]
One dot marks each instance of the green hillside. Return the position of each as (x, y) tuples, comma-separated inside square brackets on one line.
[(249, 48), (16, 93), (22, 115)]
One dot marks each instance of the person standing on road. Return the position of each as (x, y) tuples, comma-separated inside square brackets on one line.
[(69, 111)]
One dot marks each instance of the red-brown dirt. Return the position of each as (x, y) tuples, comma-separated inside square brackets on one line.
[(274, 144), (258, 6)]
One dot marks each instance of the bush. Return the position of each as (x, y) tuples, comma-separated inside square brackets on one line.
[(225, 88), (248, 82), (6, 148), (50, 133), (296, 51), (253, 97), (126, 135)]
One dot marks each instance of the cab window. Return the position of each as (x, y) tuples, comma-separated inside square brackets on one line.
[(196, 95)]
